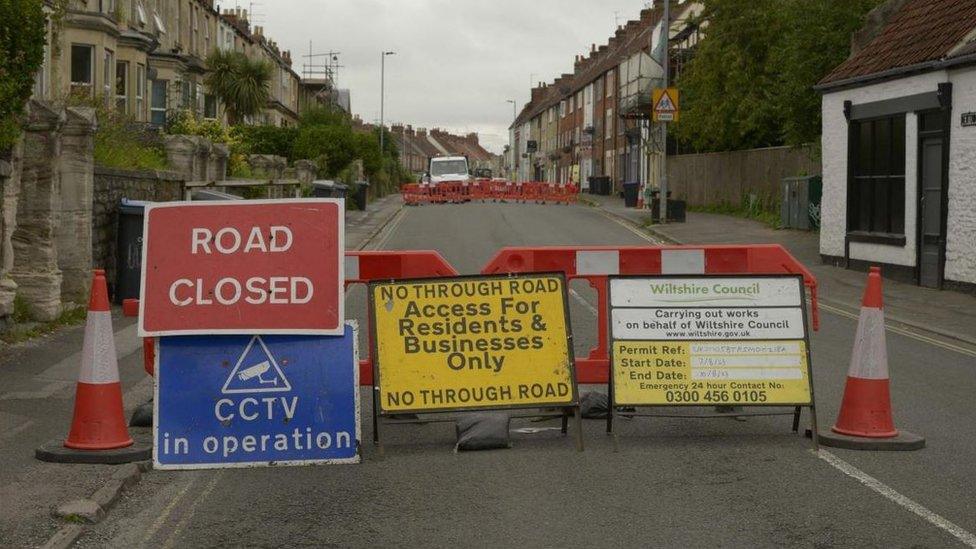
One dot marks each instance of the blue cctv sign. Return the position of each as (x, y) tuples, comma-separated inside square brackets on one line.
[(256, 400)]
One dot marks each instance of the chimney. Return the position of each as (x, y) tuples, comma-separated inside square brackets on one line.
[(396, 128), (422, 132), (592, 48), (409, 130), (472, 137)]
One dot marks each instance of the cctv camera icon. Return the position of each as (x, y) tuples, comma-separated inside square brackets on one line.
[(256, 371)]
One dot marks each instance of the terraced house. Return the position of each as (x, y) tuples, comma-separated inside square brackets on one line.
[(147, 58), (595, 121)]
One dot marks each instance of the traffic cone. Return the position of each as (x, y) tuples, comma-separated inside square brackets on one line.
[(99, 420), (98, 428), (865, 419)]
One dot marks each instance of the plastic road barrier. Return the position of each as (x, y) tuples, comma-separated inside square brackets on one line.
[(596, 263), (592, 263), (486, 189)]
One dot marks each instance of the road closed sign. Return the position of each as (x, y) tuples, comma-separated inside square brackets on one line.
[(709, 341), (254, 267), (472, 343)]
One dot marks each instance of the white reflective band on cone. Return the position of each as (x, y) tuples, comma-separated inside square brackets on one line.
[(98, 361), (869, 360)]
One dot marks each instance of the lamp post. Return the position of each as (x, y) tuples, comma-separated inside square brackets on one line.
[(512, 145), (382, 92)]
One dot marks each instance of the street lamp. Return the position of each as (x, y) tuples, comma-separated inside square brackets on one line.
[(382, 94), (512, 145)]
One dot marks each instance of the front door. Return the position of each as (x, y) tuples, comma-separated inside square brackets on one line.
[(932, 239)]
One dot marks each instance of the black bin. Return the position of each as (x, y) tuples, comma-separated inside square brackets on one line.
[(599, 184), (631, 189), (362, 188), (327, 188), (128, 250)]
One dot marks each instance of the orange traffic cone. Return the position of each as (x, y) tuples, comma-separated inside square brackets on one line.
[(99, 418), (865, 419), (98, 429)]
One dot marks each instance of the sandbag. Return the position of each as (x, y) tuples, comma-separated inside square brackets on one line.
[(594, 405), (142, 416), (482, 431)]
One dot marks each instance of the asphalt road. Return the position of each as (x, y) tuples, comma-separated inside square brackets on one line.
[(674, 482)]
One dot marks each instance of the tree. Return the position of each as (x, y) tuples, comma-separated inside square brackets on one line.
[(335, 144), (22, 38), (806, 56), (243, 85), (751, 81)]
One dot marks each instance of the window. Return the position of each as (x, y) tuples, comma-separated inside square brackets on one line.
[(609, 124), (186, 99), (81, 68), (876, 190), (140, 91), (193, 29), (206, 36), (140, 14), (157, 108), (122, 86), (108, 63), (571, 104), (598, 86), (562, 108), (610, 83), (209, 106), (200, 103), (158, 21)]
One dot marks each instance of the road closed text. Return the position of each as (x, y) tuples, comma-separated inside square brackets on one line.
[(272, 268), (472, 343)]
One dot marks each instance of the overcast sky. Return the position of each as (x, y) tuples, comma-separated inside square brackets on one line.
[(456, 62)]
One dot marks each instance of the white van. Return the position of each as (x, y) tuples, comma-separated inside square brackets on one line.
[(447, 168)]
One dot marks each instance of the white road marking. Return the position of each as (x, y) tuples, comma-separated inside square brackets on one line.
[(933, 518)]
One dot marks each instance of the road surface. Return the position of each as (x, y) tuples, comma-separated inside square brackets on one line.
[(674, 482)]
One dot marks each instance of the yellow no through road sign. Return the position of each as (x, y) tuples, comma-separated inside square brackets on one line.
[(468, 343)]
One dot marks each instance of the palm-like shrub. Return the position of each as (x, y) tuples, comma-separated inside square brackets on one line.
[(241, 84)]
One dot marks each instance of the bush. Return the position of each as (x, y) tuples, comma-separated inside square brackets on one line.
[(123, 142), (266, 140), (22, 37), (335, 143)]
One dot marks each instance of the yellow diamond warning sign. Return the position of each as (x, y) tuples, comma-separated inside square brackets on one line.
[(472, 343), (666, 107)]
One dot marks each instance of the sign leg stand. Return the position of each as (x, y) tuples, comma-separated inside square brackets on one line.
[(565, 426), (610, 431), (796, 419), (578, 414), (813, 429), (376, 415)]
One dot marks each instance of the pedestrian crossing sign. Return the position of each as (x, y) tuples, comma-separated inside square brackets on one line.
[(666, 106)]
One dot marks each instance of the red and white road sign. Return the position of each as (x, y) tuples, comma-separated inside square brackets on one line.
[(254, 267)]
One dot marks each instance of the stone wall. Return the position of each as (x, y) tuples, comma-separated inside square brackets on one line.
[(9, 189), (111, 186)]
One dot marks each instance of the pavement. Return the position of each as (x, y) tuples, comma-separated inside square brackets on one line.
[(37, 397), (673, 482), (939, 313)]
